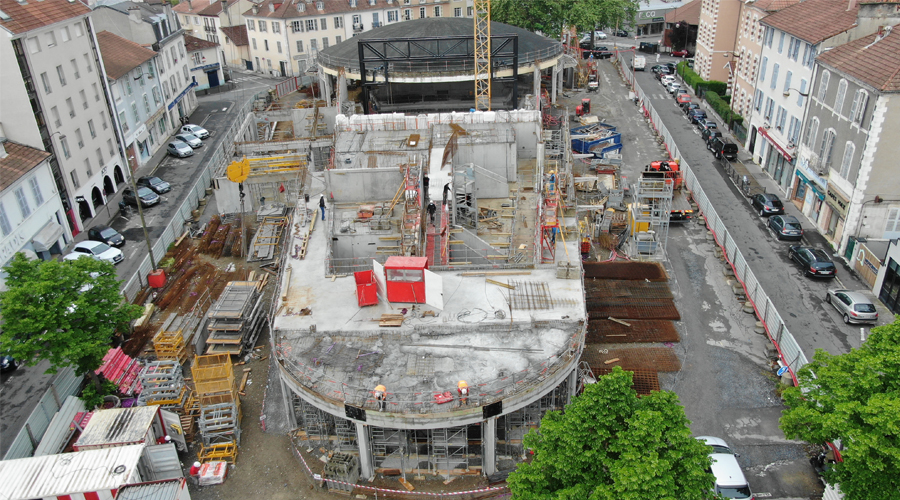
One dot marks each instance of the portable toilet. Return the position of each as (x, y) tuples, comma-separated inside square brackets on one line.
[(405, 279)]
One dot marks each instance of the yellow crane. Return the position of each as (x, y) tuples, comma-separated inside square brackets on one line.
[(482, 9)]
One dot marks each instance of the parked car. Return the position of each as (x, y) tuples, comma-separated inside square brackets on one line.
[(722, 147), (659, 70), (813, 261), (682, 53), (729, 478), (599, 35), (622, 33), (195, 130), (687, 107), (709, 133), (189, 139), (106, 235), (95, 250), (179, 149), (147, 196), (854, 307), (672, 87), (649, 48), (681, 96), (666, 79), (786, 227), (697, 115), (672, 67), (705, 124), (767, 204), (158, 185), (8, 363), (598, 53)]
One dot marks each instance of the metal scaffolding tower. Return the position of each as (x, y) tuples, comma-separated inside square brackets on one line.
[(651, 209), (465, 202)]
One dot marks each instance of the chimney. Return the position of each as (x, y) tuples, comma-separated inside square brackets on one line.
[(3, 153), (134, 13), (851, 5), (255, 9), (190, 7), (271, 7)]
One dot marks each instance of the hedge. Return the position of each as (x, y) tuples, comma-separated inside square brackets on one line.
[(722, 108), (713, 91)]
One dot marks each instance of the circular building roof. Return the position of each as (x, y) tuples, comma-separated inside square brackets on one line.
[(437, 47)]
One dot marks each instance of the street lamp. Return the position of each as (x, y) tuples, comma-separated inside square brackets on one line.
[(787, 93)]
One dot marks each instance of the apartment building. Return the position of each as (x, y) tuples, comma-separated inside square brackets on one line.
[(51, 72), (135, 93), (792, 39), (716, 36), (850, 142), (215, 21), (156, 26), (206, 62), (748, 50), (285, 37)]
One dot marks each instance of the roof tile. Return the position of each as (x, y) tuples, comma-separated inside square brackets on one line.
[(20, 159), (814, 21), (193, 44), (121, 55), (237, 34), (281, 9), (876, 64), (33, 14)]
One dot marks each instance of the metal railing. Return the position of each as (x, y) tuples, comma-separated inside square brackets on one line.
[(788, 349), (214, 168)]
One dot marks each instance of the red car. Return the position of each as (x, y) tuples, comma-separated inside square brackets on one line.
[(681, 53)]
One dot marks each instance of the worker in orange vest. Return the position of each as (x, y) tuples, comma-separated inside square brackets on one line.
[(380, 395), (463, 389)]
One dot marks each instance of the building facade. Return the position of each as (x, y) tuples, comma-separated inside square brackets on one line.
[(214, 21), (207, 65), (156, 26), (716, 36), (135, 93), (51, 71), (849, 143)]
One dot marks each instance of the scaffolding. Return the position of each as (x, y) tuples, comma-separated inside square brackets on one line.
[(411, 228), (235, 319), (219, 419), (169, 345), (162, 384), (464, 200), (651, 209)]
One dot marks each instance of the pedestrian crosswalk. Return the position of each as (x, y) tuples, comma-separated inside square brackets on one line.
[(247, 79)]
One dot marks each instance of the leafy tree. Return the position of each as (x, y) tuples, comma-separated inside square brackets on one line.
[(550, 17), (611, 444), (65, 312), (854, 397)]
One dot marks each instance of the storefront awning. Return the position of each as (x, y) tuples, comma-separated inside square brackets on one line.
[(47, 237), (765, 133)]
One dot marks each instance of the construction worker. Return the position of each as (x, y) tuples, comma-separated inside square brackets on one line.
[(431, 210), (446, 193), (164, 439), (380, 396), (553, 181), (194, 473), (322, 206), (462, 388)]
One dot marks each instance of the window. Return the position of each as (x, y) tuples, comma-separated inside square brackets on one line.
[(893, 220), (75, 69), (811, 57), (50, 38), (84, 101), (197, 58), (278, 46), (36, 191), (78, 30), (313, 45), (757, 100), (74, 175), (782, 118), (254, 43), (54, 112), (762, 69), (34, 45), (155, 92), (800, 98), (46, 81), (276, 27), (323, 23), (266, 45), (770, 107), (337, 40), (781, 42), (421, 12), (263, 27), (313, 24), (134, 111), (251, 25), (91, 129), (770, 34), (103, 119), (795, 50), (774, 76), (184, 71), (375, 22), (299, 45), (338, 22), (80, 138), (826, 147), (71, 107), (64, 144), (392, 16), (437, 11), (23, 203), (128, 90), (296, 26), (839, 98), (100, 156), (457, 12), (407, 14), (787, 81), (847, 160), (61, 74), (197, 20), (122, 121), (858, 109), (324, 42), (794, 131), (187, 20), (823, 86)]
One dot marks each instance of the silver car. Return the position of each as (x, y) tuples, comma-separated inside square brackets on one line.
[(179, 149), (854, 307), (195, 130), (190, 139)]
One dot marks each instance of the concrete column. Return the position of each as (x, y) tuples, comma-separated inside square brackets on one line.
[(365, 451), (325, 86), (489, 446), (537, 86), (553, 83), (573, 384), (342, 90)]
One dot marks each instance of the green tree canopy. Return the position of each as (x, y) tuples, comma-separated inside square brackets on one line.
[(610, 444), (65, 312), (551, 17), (854, 397)]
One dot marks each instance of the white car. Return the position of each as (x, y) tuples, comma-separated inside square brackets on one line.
[(195, 130), (730, 480), (599, 35), (95, 250), (666, 80), (672, 87)]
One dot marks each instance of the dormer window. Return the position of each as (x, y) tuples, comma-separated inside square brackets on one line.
[(353, 3), (320, 5)]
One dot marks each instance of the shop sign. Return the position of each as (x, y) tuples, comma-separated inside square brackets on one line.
[(837, 201)]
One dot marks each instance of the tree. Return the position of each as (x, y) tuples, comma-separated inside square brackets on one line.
[(65, 312), (854, 397), (610, 444), (551, 17)]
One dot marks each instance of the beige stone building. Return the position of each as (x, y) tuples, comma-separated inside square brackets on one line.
[(719, 23)]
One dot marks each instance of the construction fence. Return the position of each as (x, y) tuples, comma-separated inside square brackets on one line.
[(788, 349), (66, 384), (214, 168)]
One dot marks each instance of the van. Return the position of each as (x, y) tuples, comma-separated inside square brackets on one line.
[(722, 147), (639, 63), (729, 478)]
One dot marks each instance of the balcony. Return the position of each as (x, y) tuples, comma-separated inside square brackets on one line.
[(357, 27)]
